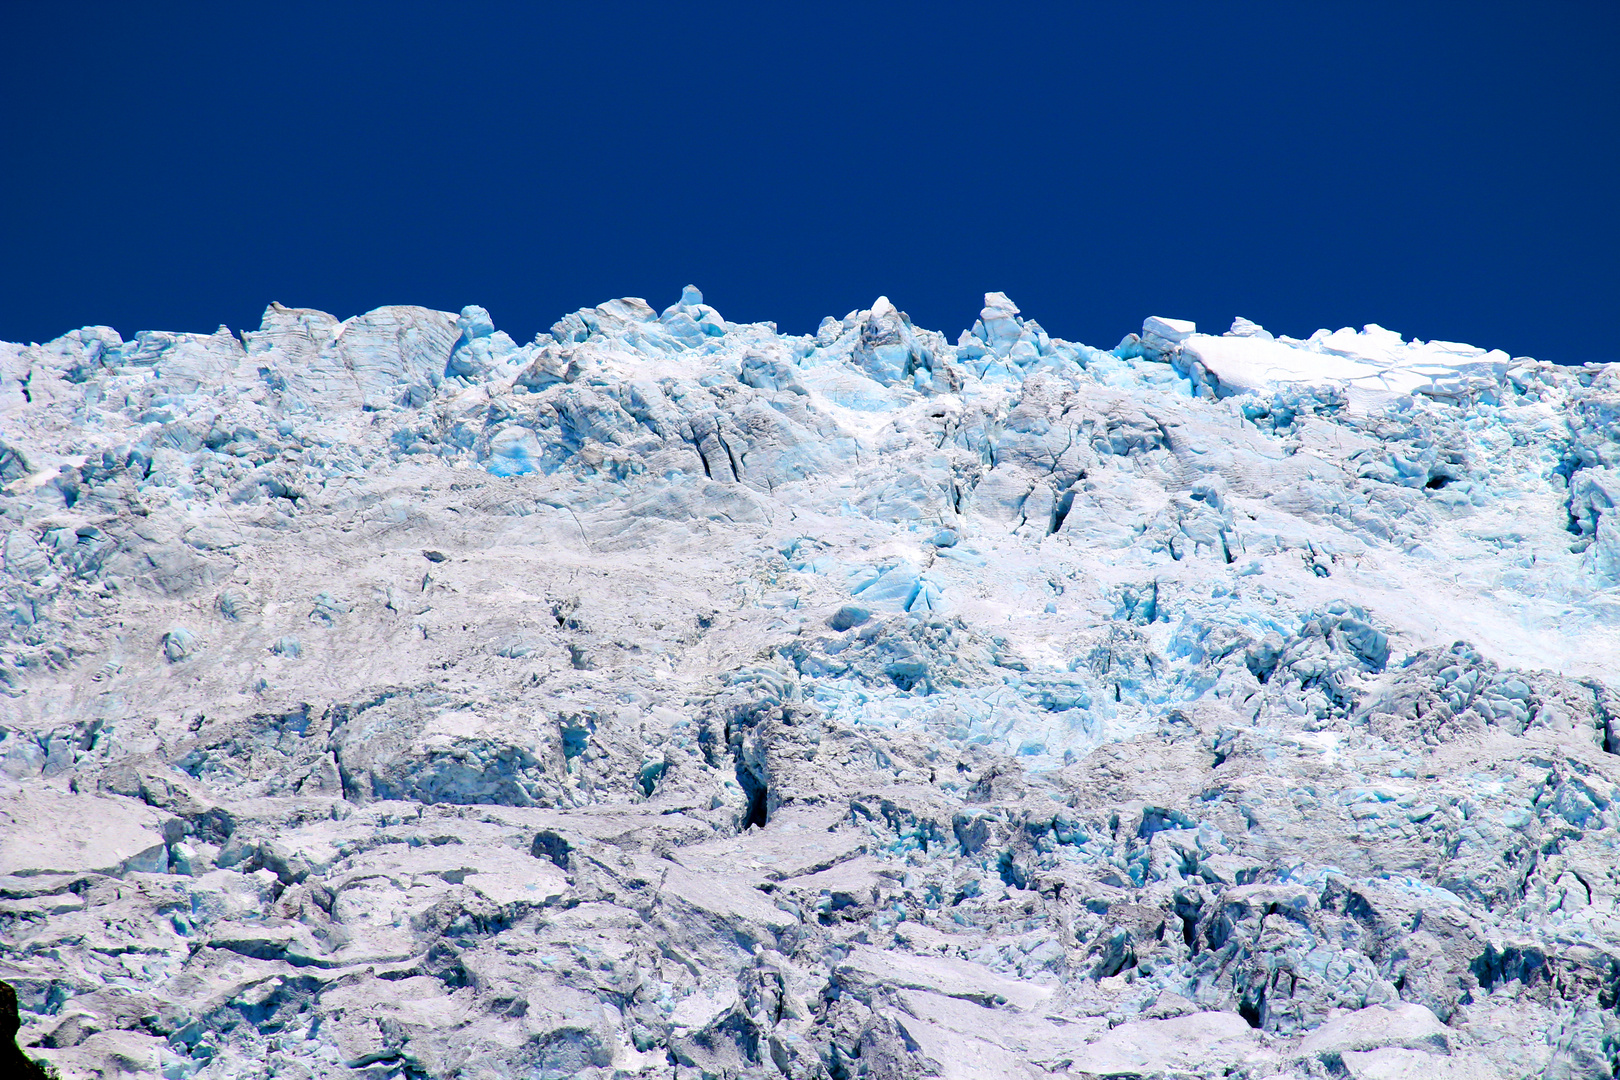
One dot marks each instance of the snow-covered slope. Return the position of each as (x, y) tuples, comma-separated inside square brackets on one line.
[(673, 697)]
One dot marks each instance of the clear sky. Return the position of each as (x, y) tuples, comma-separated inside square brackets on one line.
[(1447, 170)]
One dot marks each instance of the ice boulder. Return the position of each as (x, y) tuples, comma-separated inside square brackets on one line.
[(1163, 334), (514, 451), (888, 350), (998, 325), (481, 350)]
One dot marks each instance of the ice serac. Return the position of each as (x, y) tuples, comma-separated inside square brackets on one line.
[(670, 696)]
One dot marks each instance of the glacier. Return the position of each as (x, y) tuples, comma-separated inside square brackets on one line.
[(674, 697)]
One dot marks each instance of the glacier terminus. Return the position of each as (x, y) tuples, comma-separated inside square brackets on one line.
[(674, 697)]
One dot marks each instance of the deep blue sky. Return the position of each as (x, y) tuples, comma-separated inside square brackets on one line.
[(1449, 171)]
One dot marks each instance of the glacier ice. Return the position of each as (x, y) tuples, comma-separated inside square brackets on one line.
[(668, 696)]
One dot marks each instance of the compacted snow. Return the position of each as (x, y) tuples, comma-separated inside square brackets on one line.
[(671, 697)]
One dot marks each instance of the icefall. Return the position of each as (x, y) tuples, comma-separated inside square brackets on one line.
[(673, 696)]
